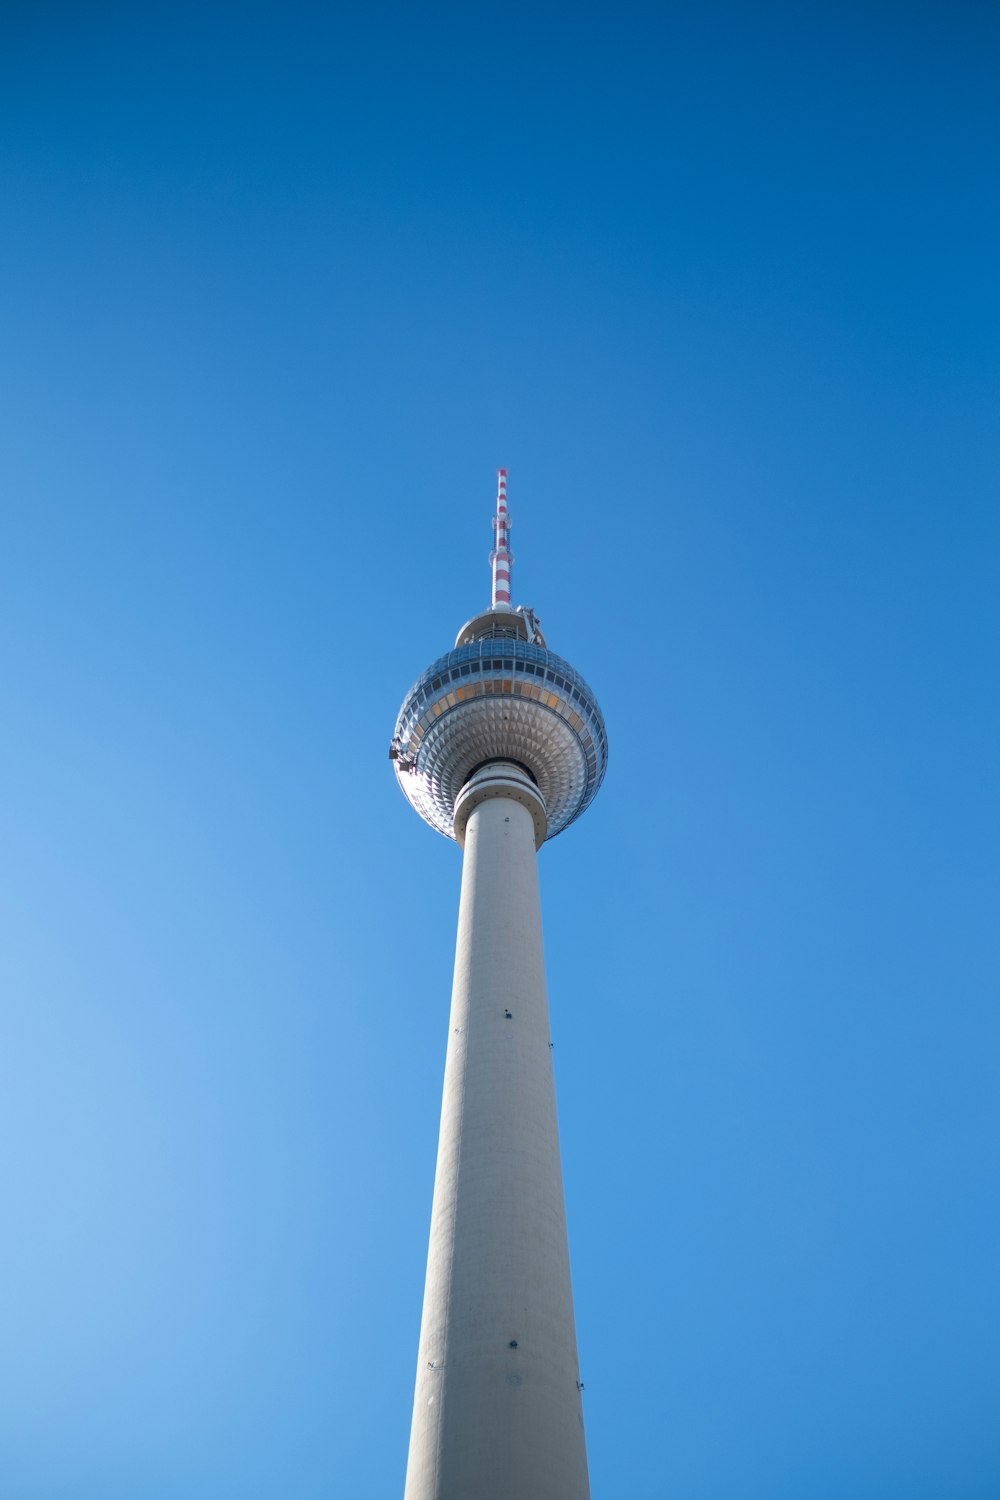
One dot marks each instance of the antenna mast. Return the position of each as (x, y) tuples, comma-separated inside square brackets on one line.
[(501, 558)]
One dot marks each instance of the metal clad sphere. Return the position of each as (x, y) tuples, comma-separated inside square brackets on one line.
[(500, 699)]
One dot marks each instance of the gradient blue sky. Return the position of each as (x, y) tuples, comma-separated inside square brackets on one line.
[(281, 286)]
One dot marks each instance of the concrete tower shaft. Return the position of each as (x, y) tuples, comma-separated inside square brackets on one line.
[(497, 1408)]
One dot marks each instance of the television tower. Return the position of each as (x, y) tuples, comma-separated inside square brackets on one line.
[(499, 745)]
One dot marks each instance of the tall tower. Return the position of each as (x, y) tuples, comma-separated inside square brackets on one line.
[(499, 745)]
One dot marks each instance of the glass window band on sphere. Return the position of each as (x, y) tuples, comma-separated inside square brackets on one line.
[(500, 699)]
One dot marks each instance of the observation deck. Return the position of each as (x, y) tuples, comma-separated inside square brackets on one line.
[(498, 696)]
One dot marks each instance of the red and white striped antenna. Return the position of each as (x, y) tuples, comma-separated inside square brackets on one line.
[(501, 557)]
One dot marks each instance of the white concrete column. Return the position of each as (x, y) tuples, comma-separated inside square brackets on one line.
[(497, 1411)]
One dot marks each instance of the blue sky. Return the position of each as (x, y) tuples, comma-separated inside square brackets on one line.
[(281, 288)]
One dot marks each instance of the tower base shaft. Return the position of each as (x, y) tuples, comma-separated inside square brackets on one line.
[(497, 1409)]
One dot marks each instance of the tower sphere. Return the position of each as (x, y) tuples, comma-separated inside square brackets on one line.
[(500, 695)]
